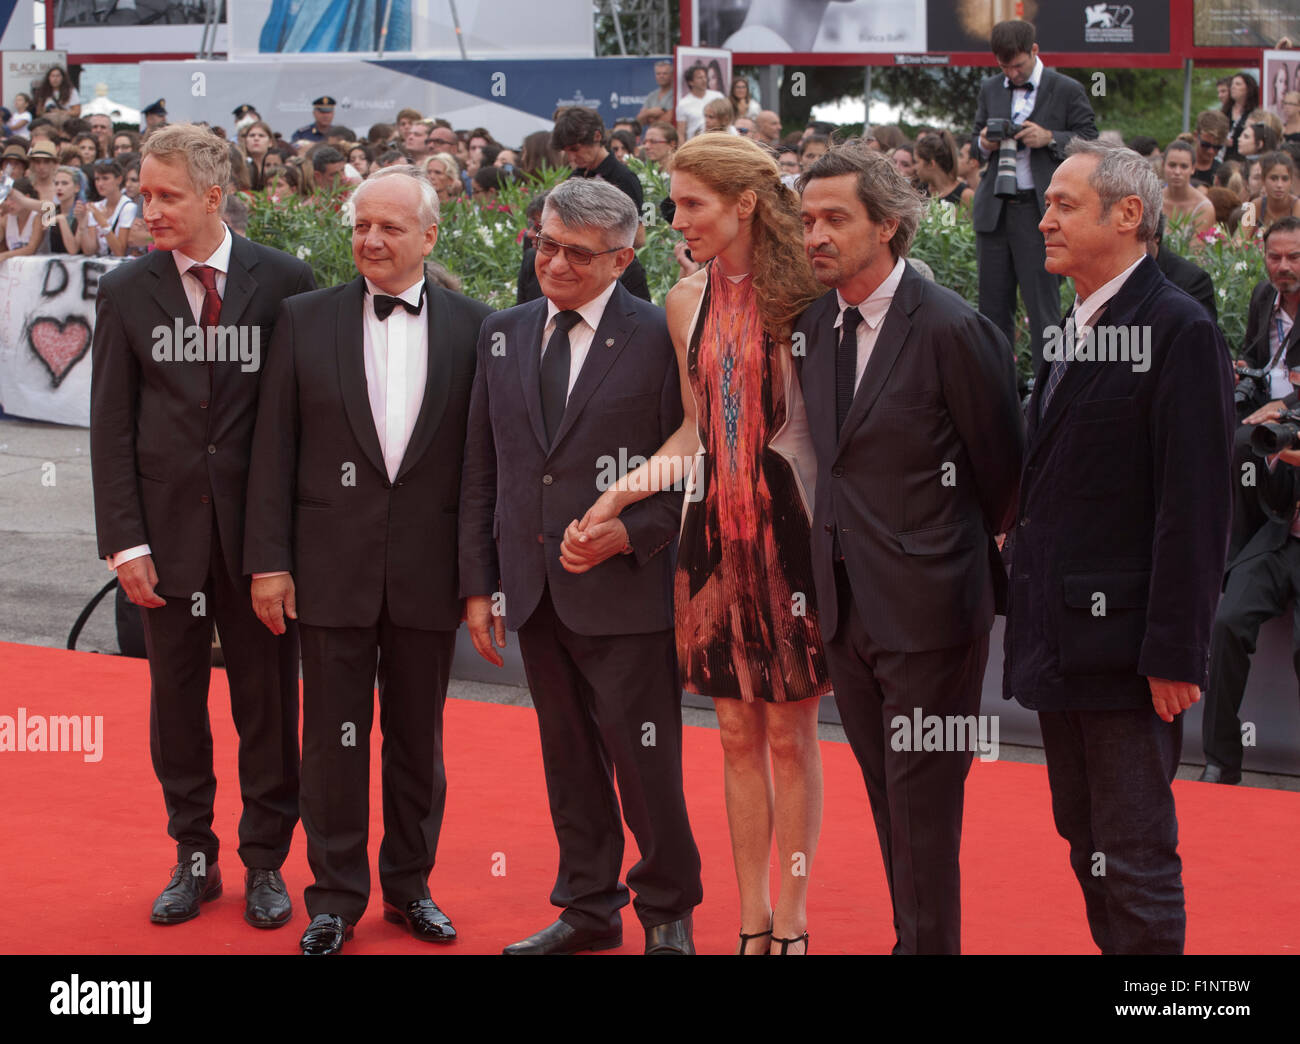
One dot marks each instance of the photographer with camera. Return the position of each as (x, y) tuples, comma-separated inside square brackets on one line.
[(1009, 199), (1264, 561)]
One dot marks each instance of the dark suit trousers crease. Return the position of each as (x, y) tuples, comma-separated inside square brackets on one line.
[(262, 672), (1257, 590), (1014, 254), (594, 696), (1247, 513), (339, 667), (916, 796), (1110, 771)]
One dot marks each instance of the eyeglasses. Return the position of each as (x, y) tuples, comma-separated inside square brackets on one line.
[(574, 255), (656, 141), (1207, 144)]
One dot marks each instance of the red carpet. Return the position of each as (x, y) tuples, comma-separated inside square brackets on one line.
[(86, 851)]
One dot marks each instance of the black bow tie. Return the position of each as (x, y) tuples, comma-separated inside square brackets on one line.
[(384, 305), (1027, 87)]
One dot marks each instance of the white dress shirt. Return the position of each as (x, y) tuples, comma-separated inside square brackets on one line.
[(873, 311), (397, 362), (1086, 311), (220, 260), (1279, 329), (581, 334)]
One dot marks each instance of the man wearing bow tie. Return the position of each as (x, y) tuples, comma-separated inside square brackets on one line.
[(571, 391), (353, 499), (1051, 109)]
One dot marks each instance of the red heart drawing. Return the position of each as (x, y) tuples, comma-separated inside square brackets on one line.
[(59, 345)]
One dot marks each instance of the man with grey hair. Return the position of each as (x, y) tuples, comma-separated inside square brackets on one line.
[(911, 398), (572, 391), (659, 103), (171, 427), (1117, 557), (352, 522)]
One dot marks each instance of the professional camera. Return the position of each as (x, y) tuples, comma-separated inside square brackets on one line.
[(1281, 434), (1004, 132), (1250, 384)]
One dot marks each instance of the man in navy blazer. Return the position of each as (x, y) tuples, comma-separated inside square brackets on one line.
[(1120, 543), (571, 392), (912, 405), (1052, 109)]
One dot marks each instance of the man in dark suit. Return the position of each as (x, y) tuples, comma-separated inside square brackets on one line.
[(1008, 244), (172, 410), (1120, 544), (911, 397), (1261, 570), (352, 518), (570, 391)]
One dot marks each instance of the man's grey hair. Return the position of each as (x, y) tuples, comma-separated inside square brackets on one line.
[(589, 203), (1121, 172), (428, 212)]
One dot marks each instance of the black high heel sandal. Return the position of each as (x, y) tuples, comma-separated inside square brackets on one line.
[(787, 943), (744, 942)]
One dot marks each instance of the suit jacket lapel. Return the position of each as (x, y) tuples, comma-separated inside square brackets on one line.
[(1042, 96), (889, 343), (168, 291), (239, 281), (349, 346), (616, 326), (437, 377), (527, 351), (818, 372)]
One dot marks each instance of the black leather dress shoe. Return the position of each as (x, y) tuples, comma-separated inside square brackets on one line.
[(563, 938), (1214, 774), (325, 935), (424, 920), (179, 901), (673, 938), (266, 900)]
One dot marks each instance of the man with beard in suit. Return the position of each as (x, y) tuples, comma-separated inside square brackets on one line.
[(171, 425), (569, 388), (911, 398), (353, 498)]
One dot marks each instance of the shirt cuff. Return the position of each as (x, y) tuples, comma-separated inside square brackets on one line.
[(278, 572), (122, 557)]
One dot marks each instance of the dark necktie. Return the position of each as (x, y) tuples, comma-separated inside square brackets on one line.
[(384, 305), (846, 366), (1058, 367), (555, 373), (210, 314)]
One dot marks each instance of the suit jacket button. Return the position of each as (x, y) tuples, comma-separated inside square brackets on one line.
[(205, 499), (837, 471), (1024, 522), (829, 527), (203, 404), (547, 480), (388, 485), (212, 447)]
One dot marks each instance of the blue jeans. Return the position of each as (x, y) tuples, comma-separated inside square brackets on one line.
[(1110, 772)]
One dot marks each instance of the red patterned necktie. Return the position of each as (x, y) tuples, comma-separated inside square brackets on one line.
[(211, 313)]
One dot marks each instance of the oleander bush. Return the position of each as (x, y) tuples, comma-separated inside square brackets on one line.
[(482, 245)]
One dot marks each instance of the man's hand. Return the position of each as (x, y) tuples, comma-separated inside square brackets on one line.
[(1270, 411), (1291, 457), (138, 578), (485, 627), (1171, 698), (1034, 136), (986, 143), (583, 549), (686, 267), (273, 600)]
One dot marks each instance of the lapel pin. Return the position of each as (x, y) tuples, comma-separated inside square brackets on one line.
[(609, 342)]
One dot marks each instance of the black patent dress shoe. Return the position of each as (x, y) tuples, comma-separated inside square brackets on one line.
[(673, 938), (266, 900), (179, 901), (325, 935), (424, 920), (1215, 774), (563, 938)]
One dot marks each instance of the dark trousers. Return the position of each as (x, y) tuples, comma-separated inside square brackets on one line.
[(1257, 590), (916, 796), (610, 704), (1012, 255), (1110, 771), (1247, 512), (262, 671), (339, 665)]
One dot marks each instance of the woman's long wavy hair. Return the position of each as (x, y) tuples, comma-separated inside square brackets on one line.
[(783, 280)]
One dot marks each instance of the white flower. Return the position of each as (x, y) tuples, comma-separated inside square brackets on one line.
[(303, 253), (1223, 292), (1240, 266), (485, 234)]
